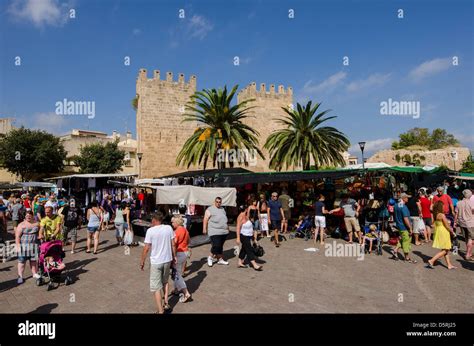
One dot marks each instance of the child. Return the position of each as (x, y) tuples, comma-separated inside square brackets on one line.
[(51, 263), (370, 236), (300, 221)]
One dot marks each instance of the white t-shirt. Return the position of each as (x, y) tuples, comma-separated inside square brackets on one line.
[(160, 239)]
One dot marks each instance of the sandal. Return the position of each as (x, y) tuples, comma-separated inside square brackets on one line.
[(167, 308), (88, 251), (242, 266), (187, 299), (429, 265), (409, 260), (259, 269)]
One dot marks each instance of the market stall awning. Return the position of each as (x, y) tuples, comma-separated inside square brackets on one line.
[(271, 177), (462, 176), (208, 173), (97, 175), (188, 194)]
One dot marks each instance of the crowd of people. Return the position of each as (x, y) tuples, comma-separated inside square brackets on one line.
[(412, 218), (46, 217)]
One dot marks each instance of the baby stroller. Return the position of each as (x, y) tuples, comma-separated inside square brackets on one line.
[(377, 241), (51, 264), (305, 229)]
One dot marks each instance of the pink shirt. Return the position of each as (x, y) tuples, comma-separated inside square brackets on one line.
[(465, 216)]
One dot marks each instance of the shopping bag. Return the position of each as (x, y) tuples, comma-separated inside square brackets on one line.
[(128, 238)]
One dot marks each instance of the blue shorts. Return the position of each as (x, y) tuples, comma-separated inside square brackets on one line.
[(276, 225), (23, 259), (93, 229)]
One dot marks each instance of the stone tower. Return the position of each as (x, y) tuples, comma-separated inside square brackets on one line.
[(160, 130), (268, 107)]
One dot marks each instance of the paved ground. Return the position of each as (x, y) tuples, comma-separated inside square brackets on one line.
[(293, 280)]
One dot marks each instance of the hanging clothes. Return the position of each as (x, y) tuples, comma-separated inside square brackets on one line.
[(91, 183)]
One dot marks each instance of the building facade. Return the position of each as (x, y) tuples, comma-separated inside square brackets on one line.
[(73, 141)]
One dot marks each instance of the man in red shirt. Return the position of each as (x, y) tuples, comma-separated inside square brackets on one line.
[(447, 201)]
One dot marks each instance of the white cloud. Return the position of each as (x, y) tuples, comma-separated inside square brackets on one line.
[(376, 79), (39, 12), (198, 27), (327, 84), (430, 68), (374, 145), (195, 28), (50, 122)]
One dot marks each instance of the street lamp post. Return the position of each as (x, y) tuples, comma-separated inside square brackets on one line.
[(140, 156), (362, 146)]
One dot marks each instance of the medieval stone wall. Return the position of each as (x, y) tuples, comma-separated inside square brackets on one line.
[(160, 131), (433, 157), (161, 134), (268, 104)]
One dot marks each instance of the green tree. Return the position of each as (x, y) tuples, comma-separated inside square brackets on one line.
[(437, 139), (31, 153), (468, 165), (441, 139), (100, 158), (304, 138), (220, 128)]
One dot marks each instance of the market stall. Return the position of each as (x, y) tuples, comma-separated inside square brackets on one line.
[(187, 200)]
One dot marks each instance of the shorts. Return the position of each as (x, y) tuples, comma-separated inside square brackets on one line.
[(106, 217), (287, 214), (28, 252), (159, 274), (405, 241), (119, 229), (276, 225), (72, 231), (320, 221), (256, 225), (23, 259), (427, 221), (468, 232), (15, 223), (351, 222), (217, 243), (93, 229), (415, 220), (263, 222)]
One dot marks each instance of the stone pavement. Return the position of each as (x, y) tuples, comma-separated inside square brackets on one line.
[(293, 280)]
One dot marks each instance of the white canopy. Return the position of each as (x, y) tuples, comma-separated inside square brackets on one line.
[(368, 165), (188, 194)]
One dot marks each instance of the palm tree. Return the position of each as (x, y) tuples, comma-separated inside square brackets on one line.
[(220, 126), (304, 138)]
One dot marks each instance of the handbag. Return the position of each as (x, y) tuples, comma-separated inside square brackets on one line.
[(258, 250)]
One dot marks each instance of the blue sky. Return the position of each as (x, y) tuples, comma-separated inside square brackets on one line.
[(82, 58)]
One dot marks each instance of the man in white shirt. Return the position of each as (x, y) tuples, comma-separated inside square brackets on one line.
[(160, 239)]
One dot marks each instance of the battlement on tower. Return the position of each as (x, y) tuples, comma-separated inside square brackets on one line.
[(167, 81), (250, 91)]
